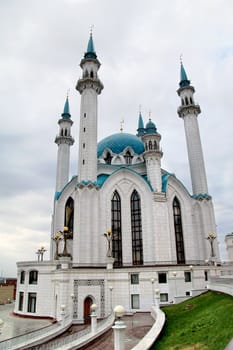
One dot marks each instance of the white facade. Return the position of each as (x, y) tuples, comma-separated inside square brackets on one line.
[(158, 229)]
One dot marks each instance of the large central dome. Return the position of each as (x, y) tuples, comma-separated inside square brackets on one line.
[(118, 142)]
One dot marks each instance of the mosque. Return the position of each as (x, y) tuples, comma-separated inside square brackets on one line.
[(123, 227)]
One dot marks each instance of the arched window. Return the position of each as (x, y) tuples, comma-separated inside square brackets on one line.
[(65, 132), (182, 101), (150, 144), (86, 74), (155, 145), (128, 157), (92, 74), (186, 100), (108, 158), (191, 100), (69, 216), (61, 132), (136, 228), (178, 232), (116, 229)]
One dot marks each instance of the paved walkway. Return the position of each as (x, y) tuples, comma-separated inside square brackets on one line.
[(14, 325), (137, 326)]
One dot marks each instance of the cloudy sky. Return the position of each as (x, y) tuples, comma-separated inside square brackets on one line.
[(139, 45)]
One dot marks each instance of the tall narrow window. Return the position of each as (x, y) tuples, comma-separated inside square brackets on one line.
[(31, 302), (136, 228), (21, 294), (22, 277), (178, 232), (33, 277), (116, 229), (69, 216)]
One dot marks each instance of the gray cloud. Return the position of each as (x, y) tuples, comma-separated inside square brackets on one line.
[(138, 44)]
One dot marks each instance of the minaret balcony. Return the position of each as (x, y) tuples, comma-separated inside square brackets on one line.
[(64, 140), (188, 109), (89, 83)]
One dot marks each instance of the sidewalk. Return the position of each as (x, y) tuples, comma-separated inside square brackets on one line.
[(15, 325), (137, 327)]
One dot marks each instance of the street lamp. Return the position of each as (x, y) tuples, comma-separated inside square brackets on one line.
[(152, 285), (110, 289), (65, 236), (40, 252), (174, 275), (108, 236), (57, 238)]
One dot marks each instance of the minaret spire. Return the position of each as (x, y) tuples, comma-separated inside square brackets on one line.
[(89, 86), (189, 111), (64, 140)]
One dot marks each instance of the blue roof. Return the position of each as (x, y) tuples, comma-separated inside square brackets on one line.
[(66, 111), (118, 142), (183, 77), (90, 53), (150, 128)]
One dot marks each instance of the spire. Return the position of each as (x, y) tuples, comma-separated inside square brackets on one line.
[(90, 53), (66, 111), (183, 76), (140, 129)]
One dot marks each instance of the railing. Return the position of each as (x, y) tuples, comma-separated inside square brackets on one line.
[(146, 263), (77, 337), (28, 338)]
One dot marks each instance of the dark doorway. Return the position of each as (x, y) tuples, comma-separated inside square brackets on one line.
[(87, 310)]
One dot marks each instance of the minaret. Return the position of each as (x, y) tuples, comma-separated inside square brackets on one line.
[(64, 140), (141, 129), (189, 112), (89, 87), (153, 155)]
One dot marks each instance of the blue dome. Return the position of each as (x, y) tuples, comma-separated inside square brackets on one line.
[(118, 142), (151, 128)]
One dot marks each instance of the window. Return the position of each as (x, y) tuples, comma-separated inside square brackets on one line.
[(116, 229), (83, 161), (206, 275), (187, 293), (178, 232), (31, 302), (150, 144), (162, 277), (128, 157), (85, 115), (83, 145), (108, 158), (21, 294), (33, 277), (186, 100), (136, 228), (187, 276), (135, 301), (164, 297), (84, 129), (22, 277), (69, 216), (134, 278)]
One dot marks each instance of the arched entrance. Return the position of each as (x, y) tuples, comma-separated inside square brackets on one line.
[(87, 310)]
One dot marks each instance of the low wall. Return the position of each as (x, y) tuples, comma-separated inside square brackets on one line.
[(149, 339)]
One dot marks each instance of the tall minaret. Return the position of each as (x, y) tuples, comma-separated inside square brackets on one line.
[(153, 155), (189, 112), (89, 87), (64, 140)]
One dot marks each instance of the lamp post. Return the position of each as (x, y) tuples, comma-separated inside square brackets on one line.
[(152, 285), (211, 238), (110, 289), (157, 297), (40, 253), (119, 328), (57, 238), (65, 235), (174, 275), (108, 236), (93, 318)]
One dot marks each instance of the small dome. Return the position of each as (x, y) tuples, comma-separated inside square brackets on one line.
[(118, 142), (150, 127)]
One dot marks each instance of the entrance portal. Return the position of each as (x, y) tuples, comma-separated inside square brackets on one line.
[(87, 310)]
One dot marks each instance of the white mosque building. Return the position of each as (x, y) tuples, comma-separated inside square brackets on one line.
[(123, 226)]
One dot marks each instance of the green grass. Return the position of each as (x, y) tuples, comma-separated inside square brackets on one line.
[(201, 323)]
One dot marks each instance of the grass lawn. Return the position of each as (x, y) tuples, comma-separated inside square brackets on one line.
[(201, 323)]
